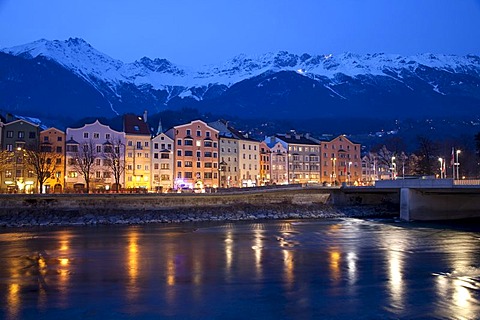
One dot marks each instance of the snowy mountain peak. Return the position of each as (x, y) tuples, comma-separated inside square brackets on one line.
[(79, 56)]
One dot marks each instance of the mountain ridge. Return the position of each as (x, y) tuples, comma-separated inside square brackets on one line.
[(269, 85)]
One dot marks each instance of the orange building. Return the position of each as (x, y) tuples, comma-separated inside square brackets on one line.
[(341, 161), (53, 140), (196, 163), (265, 164)]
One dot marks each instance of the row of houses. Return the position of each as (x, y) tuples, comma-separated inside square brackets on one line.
[(193, 156)]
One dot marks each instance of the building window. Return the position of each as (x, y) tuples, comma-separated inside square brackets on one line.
[(188, 142), (165, 156), (179, 164), (179, 153), (189, 132), (85, 135), (107, 136), (21, 134), (179, 142), (188, 164), (9, 134), (96, 135), (199, 133), (164, 166), (188, 153)]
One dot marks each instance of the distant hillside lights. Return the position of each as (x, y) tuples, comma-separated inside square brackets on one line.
[(192, 157)]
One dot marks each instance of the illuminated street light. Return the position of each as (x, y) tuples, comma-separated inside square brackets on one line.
[(441, 167), (394, 166), (457, 163), (333, 170), (349, 165)]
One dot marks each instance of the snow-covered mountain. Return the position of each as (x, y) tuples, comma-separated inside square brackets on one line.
[(273, 84)]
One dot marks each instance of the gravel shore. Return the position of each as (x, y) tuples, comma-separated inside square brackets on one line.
[(194, 214)]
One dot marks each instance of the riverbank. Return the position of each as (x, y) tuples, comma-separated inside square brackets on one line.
[(64, 210)]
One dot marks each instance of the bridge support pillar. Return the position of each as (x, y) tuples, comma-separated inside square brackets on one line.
[(438, 204), (405, 204)]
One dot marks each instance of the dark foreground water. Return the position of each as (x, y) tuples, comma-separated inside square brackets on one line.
[(329, 269)]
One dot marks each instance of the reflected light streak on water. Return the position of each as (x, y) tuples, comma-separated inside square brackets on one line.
[(288, 268), (257, 249), (132, 265), (352, 268), (13, 301), (228, 252)]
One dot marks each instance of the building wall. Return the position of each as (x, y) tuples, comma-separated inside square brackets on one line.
[(341, 161), (249, 162), (18, 136), (303, 163), (230, 177), (279, 163), (137, 161), (265, 164), (101, 177), (196, 155), (55, 139), (162, 162)]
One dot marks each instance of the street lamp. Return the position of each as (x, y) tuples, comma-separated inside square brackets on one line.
[(394, 165), (349, 165), (333, 170), (457, 163), (441, 167)]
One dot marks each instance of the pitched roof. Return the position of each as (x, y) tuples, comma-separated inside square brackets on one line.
[(296, 139), (133, 124)]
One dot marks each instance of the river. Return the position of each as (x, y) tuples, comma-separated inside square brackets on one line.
[(320, 269)]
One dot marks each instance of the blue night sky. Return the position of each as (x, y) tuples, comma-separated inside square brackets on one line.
[(193, 32)]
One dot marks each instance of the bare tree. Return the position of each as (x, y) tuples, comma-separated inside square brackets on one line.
[(427, 151), (42, 161), (6, 163), (113, 154), (84, 161)]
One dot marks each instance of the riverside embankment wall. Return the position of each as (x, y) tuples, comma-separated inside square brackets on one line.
[(67, 209)]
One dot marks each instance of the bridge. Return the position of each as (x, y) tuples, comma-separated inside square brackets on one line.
[(435, 199)]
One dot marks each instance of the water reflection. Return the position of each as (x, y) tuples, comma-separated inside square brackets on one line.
[(13, 301), (257, 249), (132, 265), (288, 268), (267, 270)]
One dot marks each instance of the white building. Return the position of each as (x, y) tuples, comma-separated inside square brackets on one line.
[(162, 147)]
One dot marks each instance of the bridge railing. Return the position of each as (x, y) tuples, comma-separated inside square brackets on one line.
[(466, 182)]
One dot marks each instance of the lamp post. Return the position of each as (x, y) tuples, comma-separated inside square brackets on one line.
[(441, 167), (333, 169), (393, 168), (349, 165), (457, 163)]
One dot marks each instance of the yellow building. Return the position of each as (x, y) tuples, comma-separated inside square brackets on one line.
[(53, 140), (137, 152)]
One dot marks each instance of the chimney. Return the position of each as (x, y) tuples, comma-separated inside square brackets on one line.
[(145, 116)]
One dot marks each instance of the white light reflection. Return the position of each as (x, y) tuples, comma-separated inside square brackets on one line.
[(228, 252), (395, 271), (257, 247), (352, 268), (454, 288)]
